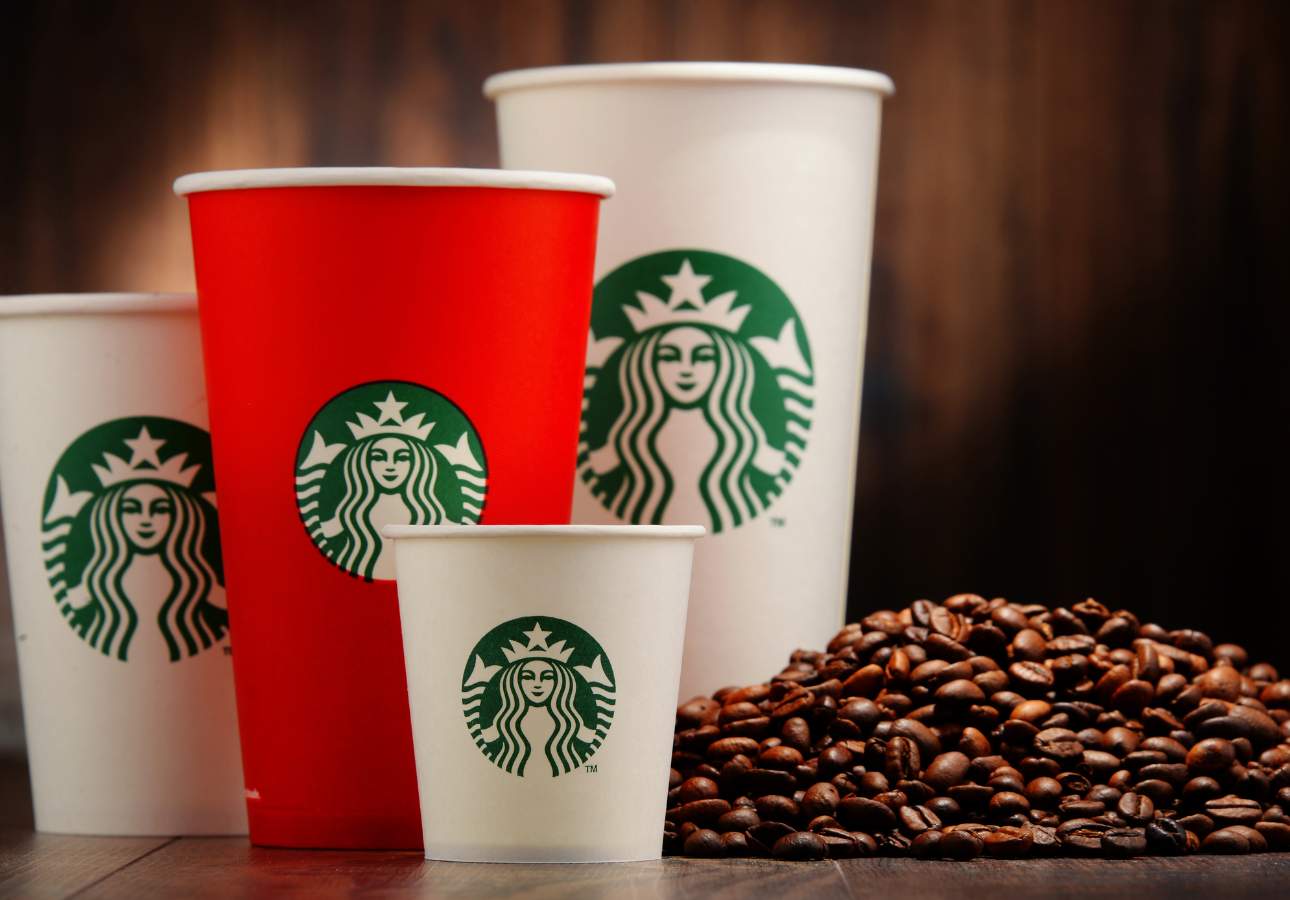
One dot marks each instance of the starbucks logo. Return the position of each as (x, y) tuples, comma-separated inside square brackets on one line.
[(386, 453), (538, 694), (699, 391), (131, 540)]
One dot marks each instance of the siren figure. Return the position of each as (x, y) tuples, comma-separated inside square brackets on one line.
[(688, 441), (390, 475), (149, 585), (538, 711)]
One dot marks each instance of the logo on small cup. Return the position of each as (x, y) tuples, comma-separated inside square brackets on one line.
[(131, 540), (538, 696), (386, 453), (699, 392)]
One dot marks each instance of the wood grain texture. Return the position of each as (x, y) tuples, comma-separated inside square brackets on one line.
[(1075, 382), (51, 865)]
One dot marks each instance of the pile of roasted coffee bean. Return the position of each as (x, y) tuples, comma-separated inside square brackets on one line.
[(980, 727)]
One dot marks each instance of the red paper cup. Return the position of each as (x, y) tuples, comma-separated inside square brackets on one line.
[(382, 346)]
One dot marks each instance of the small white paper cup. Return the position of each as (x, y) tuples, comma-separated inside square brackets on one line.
[(113, 555), (542, 665)]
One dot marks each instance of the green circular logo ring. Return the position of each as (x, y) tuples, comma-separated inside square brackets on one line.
[(699, 394), (130, 536), (386, 453), (538, 695)]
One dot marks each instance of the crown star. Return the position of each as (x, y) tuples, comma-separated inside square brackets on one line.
[(390, 408), (686, 305), (687, 287), (144, 464), (537, 647), (390, 421), (143, 449)]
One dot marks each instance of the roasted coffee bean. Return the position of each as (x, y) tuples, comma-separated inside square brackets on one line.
[(697, 789), (705, 843), (820, 799), (925, 845), (946, 770), (1007, 803), (800, 845), (863, 814), (1136, 809), (1226, 840), (902, 759), (1123, 843), (917, 819), (1231, 810), (929, 730), (1166, 837), (702, 812)]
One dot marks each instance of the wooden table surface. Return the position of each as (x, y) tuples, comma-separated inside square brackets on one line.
[(39, 865)]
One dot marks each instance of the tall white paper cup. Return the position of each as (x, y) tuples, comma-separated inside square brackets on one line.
[(113, 549), (724, 363), (542, 668)]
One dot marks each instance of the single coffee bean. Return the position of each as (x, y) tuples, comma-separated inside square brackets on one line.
[(960, 845), (925, 845), (1276, 834), (902, 759), (1009, 842), (1232, 810), (1225, 840), (702, 812), (775, 808), (1123, 843), (737, 820), (1007, 803), (1043, 792), (1136, 809), (1031, 676), (917, 819), (1166, 837), (863, 814), (800, 845), (946, 770), (697, 789), (820, 799), (705, 843)]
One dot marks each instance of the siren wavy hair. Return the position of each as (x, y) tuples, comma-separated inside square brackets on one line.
[(360, 553), (188, 621), (560, 749), (725, 486)]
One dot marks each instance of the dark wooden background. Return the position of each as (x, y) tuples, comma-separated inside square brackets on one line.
[(1076, 376)]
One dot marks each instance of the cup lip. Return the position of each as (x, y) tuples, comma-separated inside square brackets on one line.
[(404, 532), (390, 176), (81, 304), (748, 72)]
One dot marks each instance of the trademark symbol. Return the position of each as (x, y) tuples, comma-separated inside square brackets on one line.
[(777, 521), (591, 769)]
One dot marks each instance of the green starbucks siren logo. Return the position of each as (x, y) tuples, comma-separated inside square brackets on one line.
[(386, 453), (131, 540), (699, 391), (538, 694)]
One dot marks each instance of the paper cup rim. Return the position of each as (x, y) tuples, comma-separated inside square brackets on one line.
[(404, 532), (80, 304), (391, 176), (748, 72)]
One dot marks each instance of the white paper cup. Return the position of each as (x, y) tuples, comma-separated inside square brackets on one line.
[(113, 551), (724, 366), (542, 668)]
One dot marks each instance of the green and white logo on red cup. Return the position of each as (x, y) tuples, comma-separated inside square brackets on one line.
[(386, 453), (538, 695), (699, 391), (131, 540)]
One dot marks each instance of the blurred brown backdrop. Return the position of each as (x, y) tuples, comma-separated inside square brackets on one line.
[(1075, 379)]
